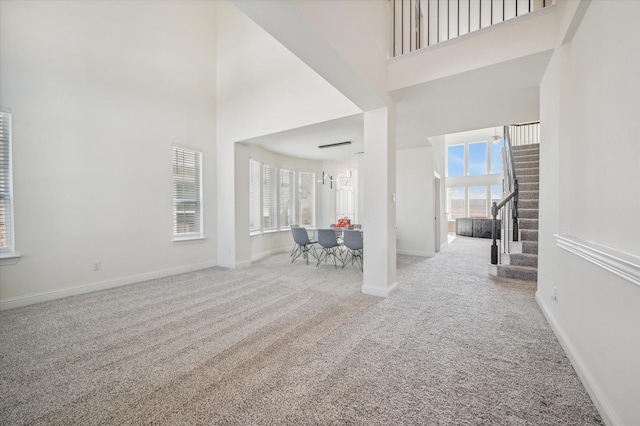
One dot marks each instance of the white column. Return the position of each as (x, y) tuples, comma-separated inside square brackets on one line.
[(379, 215)]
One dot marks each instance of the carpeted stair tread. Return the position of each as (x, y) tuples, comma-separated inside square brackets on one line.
[(526, 157), (527, 204), (528, 171), (528, 195), (528, 234), (517, 272), (524, 213), (527, 223), (530, 247), (528, 178), (528, 186), (524, 259)]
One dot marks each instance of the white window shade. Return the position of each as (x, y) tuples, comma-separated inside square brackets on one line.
[(6, 187), (287, 197), (306, 199), (187, 193), (269, 193), (255, 180)]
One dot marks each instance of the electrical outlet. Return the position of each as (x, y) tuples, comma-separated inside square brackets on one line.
[(97, 265), (554, 295)]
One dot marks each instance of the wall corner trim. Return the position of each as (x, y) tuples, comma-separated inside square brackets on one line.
[(617, 262), (380, 292)]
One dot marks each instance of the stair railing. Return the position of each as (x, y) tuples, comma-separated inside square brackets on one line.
[(509, 206)]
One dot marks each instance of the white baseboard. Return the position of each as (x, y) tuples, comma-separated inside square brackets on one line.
[(102, 285), (380, 292), (268, 253), (583, 374), (416, 253)]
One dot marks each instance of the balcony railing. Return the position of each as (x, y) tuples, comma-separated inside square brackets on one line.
[(422, 23)]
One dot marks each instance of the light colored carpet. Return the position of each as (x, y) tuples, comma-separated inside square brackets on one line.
[(282, 343)]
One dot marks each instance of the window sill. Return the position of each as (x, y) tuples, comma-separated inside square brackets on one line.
[(9, 259), (189, 240)]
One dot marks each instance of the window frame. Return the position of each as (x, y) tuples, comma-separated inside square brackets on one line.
[(291, 198), (198, 199), (7, 250), (269, 198), (257, 200)]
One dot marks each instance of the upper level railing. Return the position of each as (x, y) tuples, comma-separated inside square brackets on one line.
[(422, 23), (524, 133)]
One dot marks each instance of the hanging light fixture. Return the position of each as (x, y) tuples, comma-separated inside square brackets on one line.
[(496, 138), (342, 178)]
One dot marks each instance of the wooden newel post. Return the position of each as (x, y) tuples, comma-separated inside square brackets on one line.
[(494, 231)]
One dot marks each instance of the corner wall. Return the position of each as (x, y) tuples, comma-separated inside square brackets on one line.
[(99, 92), (589, 194), (415, 203)]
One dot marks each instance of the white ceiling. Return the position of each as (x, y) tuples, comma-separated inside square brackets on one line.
[(503, 93), (303, 142)]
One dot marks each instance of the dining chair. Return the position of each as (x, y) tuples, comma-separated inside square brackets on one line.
[(296, 247), (353, 242), (305, 245), (330, 247)]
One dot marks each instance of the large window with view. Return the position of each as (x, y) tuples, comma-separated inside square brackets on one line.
[(474, 178)]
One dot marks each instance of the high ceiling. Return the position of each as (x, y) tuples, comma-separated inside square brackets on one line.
[(492, 96)]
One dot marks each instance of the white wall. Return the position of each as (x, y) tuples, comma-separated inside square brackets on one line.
[(262, 89), (346, 42), (589, 191), (99, 92), (415, 203)]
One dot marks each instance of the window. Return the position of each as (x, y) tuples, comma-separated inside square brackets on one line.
[(455, 202), (496, 157), (496, 197), (306, 199), (187, 193), (273, 201), (269, 198), (6, 187), (478, 201), (287, 197), (455, 160), (477, 158), (255, 179)]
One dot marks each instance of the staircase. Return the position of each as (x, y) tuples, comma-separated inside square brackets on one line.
[(522, 262)]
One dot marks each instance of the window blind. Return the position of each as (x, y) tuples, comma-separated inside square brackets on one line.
[(187, 192), (269, 193), (287, 198), (6, 191), (306, 199), (254, 196)]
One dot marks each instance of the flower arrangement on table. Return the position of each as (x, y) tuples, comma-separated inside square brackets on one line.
[(344, 223)]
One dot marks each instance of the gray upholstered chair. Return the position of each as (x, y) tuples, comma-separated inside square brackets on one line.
[(330, 247), (353, 242), (305, 245), (295, 248)]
